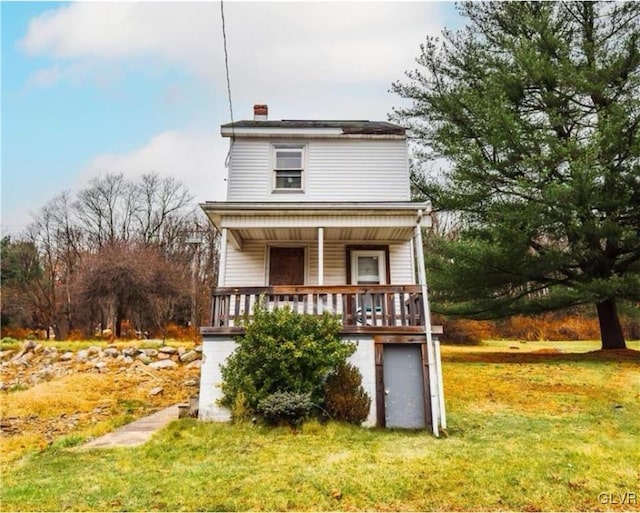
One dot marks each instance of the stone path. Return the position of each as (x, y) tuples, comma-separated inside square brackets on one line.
[(135, 433)]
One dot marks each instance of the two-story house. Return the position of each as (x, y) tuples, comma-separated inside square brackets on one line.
[(318, 216)]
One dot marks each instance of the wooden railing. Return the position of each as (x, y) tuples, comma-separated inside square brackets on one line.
[(370, 308)]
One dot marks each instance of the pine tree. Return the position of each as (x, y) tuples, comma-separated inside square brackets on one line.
[(536, 108)]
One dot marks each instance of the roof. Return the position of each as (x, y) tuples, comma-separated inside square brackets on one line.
[(348, 127)]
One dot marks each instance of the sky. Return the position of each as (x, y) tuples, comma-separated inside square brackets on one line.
[(91, 88)]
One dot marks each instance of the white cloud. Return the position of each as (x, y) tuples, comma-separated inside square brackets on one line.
[(196, 159), (307, 54)]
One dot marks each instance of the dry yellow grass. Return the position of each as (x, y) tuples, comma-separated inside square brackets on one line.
[(87, 403)]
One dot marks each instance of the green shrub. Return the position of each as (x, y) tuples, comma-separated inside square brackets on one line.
[(283, 351), (344, 397), (285, 408)]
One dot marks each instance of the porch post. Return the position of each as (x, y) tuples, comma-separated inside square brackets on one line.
[(434, 384), (222, 262), (320, 256)]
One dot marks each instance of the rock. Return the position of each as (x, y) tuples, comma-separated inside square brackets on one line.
[(100, 365), (129, 351), (195, 364), (156, 391), (38, 349), (164, 356), (181, 350), (163, 364), (23, 360), (112, 352), (168, 350), (29, 345), (93, 351), (191, 383), (66, 357), (151, 352), (127, 359), (143, 358), (82, 355), (198, 348), (189, 357)]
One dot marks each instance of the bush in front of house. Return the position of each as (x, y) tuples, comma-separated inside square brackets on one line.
[(283, 351), (285, 408), (345, 399)]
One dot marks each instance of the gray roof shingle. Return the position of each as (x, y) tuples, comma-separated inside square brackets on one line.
[(360, 127)]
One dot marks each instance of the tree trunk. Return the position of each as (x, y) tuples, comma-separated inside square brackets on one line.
[(610, 329)]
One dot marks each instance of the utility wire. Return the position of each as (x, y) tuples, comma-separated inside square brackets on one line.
[(226, 64)]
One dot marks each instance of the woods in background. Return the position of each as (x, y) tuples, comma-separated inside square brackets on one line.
[(120, 255)]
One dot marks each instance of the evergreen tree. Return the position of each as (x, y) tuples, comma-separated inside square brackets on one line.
[(536, 108)]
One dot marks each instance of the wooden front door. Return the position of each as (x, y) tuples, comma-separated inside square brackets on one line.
[(286, 266)]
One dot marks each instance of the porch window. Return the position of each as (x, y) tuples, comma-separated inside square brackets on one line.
[(288, 167)]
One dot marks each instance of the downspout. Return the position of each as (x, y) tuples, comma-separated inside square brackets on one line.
[(435, 385)]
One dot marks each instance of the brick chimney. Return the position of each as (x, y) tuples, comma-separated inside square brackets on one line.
[(260, 113)]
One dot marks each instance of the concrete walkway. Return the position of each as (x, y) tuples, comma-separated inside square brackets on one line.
[(135, 433)]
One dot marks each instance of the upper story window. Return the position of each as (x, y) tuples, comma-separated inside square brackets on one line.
[(288, 167)]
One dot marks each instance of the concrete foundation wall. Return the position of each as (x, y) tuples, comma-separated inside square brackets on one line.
[(216, 350)]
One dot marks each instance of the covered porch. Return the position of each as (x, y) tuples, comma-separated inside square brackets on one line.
[(362, 262)]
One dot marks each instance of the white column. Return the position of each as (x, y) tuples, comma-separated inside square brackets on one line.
[(434, 385), (222, 263), (320, 256)]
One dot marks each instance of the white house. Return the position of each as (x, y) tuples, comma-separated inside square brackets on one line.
[(318, 216)]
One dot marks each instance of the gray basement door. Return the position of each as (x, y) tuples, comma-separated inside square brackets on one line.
[(403, 386)]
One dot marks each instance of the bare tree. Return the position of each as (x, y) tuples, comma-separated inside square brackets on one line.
[(106, 209), (162, 202)]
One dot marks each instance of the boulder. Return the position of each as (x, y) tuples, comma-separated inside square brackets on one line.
[(82, 355), (151, 352), (195, 364), (143, 358), (93, 351), (156, 391), (100, 365), (29, 345), (163, 364), (164, 356), (66, 357), (168, 350), (189, 357), (112, 352)]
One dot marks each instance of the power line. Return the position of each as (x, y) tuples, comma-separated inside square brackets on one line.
[(226, 64)]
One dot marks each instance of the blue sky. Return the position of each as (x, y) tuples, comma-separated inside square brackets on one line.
[(90, 88)]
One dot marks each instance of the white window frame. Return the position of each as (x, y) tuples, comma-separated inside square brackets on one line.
[(382, 263), (274, 171)]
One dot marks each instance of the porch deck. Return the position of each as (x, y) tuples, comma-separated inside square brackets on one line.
[(374, 309)]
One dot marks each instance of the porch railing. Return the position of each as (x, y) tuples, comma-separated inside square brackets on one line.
[(368, 308)]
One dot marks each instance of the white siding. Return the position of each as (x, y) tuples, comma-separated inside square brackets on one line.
[(247, 268), (401, 264), (337, 170)]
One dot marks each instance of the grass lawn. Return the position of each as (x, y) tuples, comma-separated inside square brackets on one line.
[(532, 427)]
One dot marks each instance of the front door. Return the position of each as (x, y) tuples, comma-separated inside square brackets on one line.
[(368, 267), (402, 372), (286, 266)]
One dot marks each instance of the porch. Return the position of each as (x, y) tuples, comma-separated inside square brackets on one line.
[(361, 309)]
